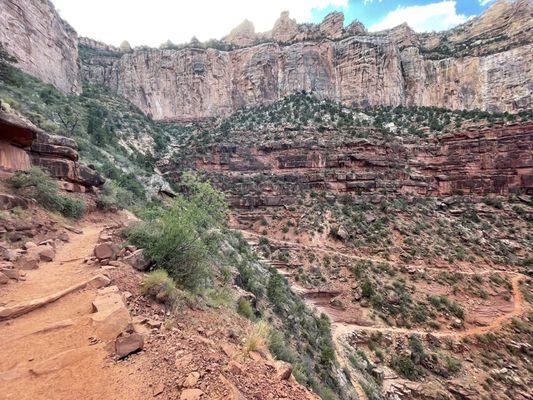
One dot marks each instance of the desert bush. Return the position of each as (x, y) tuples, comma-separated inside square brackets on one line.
[(184, 238), (159, 286), (257, 337), (453, 365), (279, 348), (244, 308), (39, 185), (404, 366)]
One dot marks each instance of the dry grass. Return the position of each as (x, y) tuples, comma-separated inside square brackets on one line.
[(257, 337)]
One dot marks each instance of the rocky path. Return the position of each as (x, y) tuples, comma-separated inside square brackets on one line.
[(346, 328), (52, 351)]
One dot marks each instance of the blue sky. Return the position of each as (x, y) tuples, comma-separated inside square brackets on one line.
[(371, 13), (154, 22)]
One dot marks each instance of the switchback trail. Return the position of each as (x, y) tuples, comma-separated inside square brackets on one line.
[(341, 330), (346, 328), (248, 234)]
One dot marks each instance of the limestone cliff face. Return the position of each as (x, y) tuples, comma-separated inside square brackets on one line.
[(194, 84), (496, 82), (484, 64), (45, 45)]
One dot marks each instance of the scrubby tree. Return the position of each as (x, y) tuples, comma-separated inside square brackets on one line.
[(184, 238)]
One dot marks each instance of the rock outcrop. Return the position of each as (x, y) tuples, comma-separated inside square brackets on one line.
[(484, 64), (44, 45), (479, 160), (242, 35), (23, 145)]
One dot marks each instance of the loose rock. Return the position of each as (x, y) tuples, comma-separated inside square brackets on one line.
[(105, 251), (128, 343)]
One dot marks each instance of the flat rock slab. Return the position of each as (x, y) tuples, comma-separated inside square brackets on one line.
[(17, 310), (110, 317)]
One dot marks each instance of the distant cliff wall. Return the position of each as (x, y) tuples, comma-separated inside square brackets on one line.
[(45, 45), (484, 64)]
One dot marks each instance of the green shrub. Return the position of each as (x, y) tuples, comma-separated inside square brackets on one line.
[(244, 308), (452, 364), (367, 289), (278, 347), (159, 286), (184, 238), (404, 366), (40, 186)]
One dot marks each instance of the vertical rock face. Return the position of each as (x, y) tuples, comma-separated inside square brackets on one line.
[(484, 64), (496, 82), (194, 84), (45, 45)]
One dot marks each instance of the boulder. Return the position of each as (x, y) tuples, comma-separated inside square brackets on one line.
[(3, 279), (11, 273), (28, 261), (128, 343), (283, 370), (105, 251), (110, 317), (137, 260), (63, 236), (191, 380), (47, 254), (29, 245), (342, 233)]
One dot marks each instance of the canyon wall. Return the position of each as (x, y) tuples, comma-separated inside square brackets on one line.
[(479, 160), (44, 45), (484, 64)]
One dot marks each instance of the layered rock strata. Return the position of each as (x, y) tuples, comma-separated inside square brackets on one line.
[(497, 160), (44, 44), (23, 145), (484, 64)]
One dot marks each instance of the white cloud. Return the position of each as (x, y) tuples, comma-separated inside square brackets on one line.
[(485, 2), (153, 22), (430, 17)]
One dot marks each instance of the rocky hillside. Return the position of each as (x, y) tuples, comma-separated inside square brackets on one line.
[(44, 45), (269, 155), (484, 64)]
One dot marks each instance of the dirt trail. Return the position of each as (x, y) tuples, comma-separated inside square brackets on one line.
[(51, 352), (59, 274), (248, 234)]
